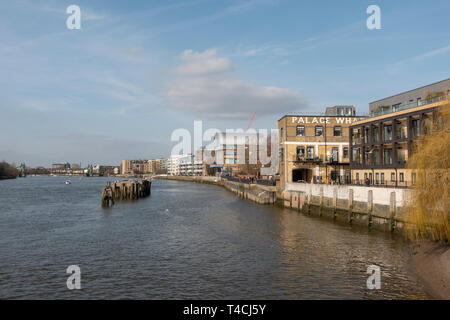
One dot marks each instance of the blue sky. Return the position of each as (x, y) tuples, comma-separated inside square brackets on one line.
[(137, 70)]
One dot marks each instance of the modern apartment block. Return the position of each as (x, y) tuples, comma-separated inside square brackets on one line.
[(184, 165), (236, 152), (190, 166), (314, 149), (134, 166), (381, 144)]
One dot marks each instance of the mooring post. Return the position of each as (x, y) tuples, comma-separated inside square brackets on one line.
[(321, 201), (334, 202), (308, 197), (369, 207), (350, 206), (392, 211)]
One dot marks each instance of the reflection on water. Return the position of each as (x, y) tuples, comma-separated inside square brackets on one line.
[(185, 241)]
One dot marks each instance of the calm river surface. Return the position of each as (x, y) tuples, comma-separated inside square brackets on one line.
[(186, 241)]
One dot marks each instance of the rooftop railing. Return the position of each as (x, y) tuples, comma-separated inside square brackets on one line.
[(408, 105)]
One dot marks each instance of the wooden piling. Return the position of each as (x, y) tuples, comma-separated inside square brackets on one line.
[(125, 190)]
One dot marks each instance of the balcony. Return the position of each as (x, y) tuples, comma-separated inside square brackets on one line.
[(308, 160), (407, 105)]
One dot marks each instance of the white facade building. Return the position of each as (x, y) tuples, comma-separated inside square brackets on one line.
[(173, 165), (184, 165)]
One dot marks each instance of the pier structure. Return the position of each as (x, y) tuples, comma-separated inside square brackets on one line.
[(125, 190)]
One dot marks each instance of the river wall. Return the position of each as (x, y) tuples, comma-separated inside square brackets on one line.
[(374, 207), (253, 192)]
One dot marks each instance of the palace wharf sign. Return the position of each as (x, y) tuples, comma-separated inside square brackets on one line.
[(325, 120)]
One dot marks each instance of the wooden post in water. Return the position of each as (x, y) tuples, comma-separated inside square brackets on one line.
[(350, 206), (334, 202), (107, 195), (125, 190)]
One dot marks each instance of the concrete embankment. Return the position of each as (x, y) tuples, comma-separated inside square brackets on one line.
[(254, 192)]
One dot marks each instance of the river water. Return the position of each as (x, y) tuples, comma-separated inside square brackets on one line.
[(185, 241)]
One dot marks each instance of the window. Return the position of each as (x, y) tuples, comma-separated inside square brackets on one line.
[(370, 177), (416, 127), (345, 152), (365, 176), (310, 153), (402, 177), (340, 111), (356, 155), (402, 155), (281, 152), (357, 177), (319, 131), (393, 176), (300, 131), (348, 111), (387, 156), (366, 135), (382, 178), (376, 157), (281, 132), (375, 134), (337, 131), (413, 178), (335, 153), (402, 130), (377, 178), (356, 135), (300, 152), (387, 133), (426, 126)]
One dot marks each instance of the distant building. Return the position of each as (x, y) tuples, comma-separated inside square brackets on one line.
[(158, 166), (102, 170), (135, 167), (236, 153), (60, 168), (153, 166), (76, 166), (173, 165), (190, 166)]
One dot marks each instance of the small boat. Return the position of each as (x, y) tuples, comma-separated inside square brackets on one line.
[(68, 182)]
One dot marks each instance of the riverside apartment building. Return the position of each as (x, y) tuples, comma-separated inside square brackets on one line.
[(381, 144), (315, 149)]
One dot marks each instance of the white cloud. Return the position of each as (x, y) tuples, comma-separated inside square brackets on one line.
[(205, 83), (207, 62)]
